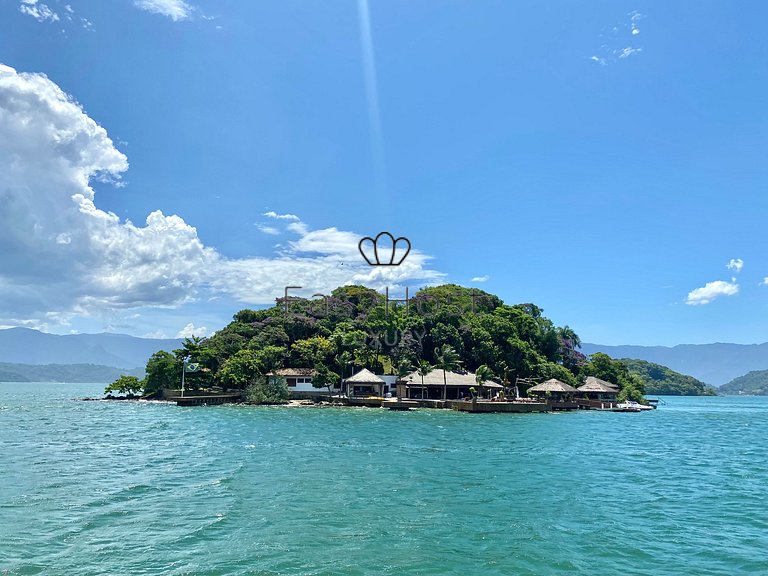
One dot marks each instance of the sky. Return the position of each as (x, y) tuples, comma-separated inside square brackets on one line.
[(166, 163)]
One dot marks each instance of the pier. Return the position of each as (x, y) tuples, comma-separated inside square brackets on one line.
[(206, 400)]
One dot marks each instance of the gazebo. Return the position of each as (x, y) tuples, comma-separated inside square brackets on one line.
[(599, 390), (554, 389), (364, 383)]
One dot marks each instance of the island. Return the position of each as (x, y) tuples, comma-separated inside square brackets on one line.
[(444, 346)]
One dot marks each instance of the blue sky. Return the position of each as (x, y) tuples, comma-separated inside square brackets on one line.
[(605, 160)]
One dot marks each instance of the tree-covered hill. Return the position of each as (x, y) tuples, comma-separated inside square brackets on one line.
[(754, 383), (659, 379), (354, 327)]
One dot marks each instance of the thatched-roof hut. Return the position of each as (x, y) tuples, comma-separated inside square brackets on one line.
[(597, 389), (554, 390), (364, 383), (553, 385), (457, 384)]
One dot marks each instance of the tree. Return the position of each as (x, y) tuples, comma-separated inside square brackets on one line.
[(447, 359), (267, 390), (343, 360), (240, 370), (324, 378), (313, 350), (128, 385), (271, 357), (483, 374), (163, 371)]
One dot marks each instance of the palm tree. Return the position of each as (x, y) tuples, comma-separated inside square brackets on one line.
[(423, 368), (447, 359), (483, 374), (401, 370)]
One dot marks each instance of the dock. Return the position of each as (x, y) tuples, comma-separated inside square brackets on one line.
[(399, 404), (207, 400), (481, 407)]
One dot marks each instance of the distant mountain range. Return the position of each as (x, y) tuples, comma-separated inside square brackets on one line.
[(714, 364), (63, 373), (25, 346)]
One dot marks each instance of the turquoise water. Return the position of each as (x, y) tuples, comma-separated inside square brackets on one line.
[(140, 488)]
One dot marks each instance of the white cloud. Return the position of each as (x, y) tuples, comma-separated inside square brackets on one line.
[(61, 255), (176, 10), (271, 230), (710, 291), (191, 330), (735, 264), (481, 278), (157, 335), (615, 41), (276, 216), (38, 11), (628, 51)]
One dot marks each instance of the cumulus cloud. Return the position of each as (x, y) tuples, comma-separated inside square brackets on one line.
[(710, 291), (176, 10), (481, 278), (37, 10), (735, 264), (191, 330), (61, 255)]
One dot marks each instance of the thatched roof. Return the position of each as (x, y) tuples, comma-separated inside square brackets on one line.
[(365, 376), (291, 372), (552, 385), (435, 378), (593, 384)]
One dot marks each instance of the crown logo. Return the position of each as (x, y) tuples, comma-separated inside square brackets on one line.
[(378, 252)]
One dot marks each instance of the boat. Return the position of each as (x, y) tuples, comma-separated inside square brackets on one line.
[(631, 406)]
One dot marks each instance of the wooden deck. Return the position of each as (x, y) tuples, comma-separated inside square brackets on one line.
[(207, 400), (484, 407)]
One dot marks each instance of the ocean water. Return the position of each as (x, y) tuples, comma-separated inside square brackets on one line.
[(148, 488)]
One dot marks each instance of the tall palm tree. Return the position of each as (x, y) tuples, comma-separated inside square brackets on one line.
[(401, 370), (447, 359), (483, 374), (423, 368)]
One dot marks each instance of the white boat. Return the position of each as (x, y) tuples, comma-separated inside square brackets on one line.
[(631, 406)]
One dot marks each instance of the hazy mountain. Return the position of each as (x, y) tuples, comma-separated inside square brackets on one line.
[(714, 364), (754, 383), (659, 379), (63, 373), (25, 346)]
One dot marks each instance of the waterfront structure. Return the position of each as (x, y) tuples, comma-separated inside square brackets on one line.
[(363, 384), (299, 382), (457, 386), (597, 393), (553, 388)]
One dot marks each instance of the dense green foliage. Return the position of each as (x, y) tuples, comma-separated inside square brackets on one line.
[(267, 390), (127, 385), (631, 386), (659, 379), (447, 327), (754, 383)]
